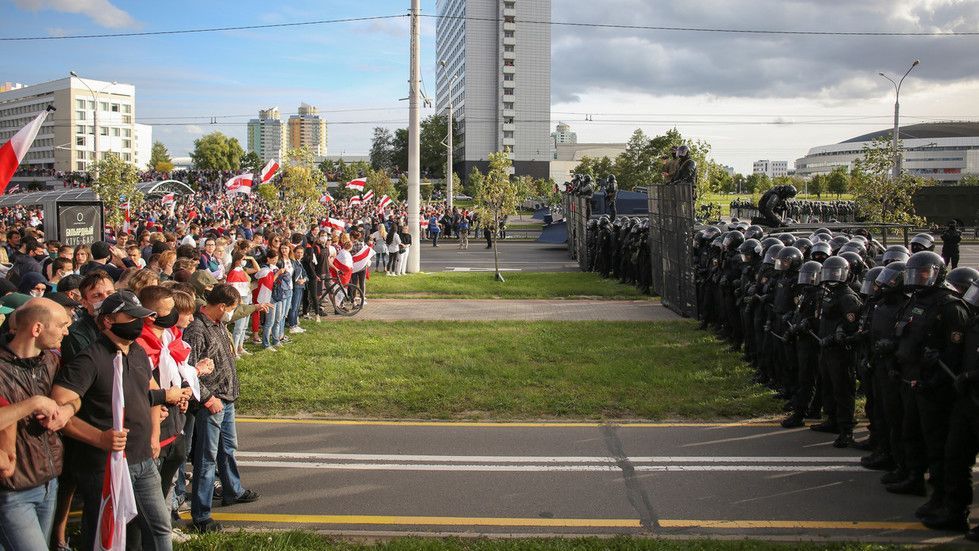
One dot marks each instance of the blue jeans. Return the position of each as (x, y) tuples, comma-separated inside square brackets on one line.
[(267, 335), (240, 332), (297, 305), (153, 520), (26, 516), (435, 239), (215, 442), (281, 311)]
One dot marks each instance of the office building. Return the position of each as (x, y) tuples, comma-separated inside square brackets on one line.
[(267, 135), (773, 169), (563, 135), (498, 62), (307, 130)]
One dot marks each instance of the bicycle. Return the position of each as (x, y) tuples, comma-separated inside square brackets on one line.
[(345, 300)]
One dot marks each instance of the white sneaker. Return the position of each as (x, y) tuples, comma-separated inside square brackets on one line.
[(296, 329), (270, 348)]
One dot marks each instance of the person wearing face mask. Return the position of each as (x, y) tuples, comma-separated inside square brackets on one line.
[(208, 338), (93, 288), (33, 284), (87, 383)]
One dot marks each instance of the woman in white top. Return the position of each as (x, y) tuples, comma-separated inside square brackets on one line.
[(379, 243)]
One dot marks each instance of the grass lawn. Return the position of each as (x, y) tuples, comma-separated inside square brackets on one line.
[(518, 285), (305, 541), (502, 370), (724, 200)]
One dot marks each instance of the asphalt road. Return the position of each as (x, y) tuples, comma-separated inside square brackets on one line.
[(686, 480), (525, 256)]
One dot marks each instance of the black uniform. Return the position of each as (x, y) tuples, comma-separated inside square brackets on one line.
[(838, 313)]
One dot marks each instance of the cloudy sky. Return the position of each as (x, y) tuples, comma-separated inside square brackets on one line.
[(752, 96)]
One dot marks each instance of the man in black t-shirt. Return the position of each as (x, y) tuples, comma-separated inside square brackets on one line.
[(86, 383)]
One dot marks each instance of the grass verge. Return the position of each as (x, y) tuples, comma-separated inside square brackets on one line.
[(502, 370), (305, 541), (518, 285)]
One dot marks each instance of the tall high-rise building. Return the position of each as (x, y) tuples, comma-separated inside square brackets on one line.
[(308, 129), (497, 58), (267, 135), (66, 141)]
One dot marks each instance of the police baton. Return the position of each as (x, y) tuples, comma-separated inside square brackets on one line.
[(777, 336), (951, 374)]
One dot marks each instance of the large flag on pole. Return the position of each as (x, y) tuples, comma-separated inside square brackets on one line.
[(334, 223), (385, 201), (368, 196), (118, 501), (269, 170), (239, 184), (354, 201), (325, 198), (357, 184), (14, 151)]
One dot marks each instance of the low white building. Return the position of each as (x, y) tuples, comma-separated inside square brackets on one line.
[(943, 151), (773, 169)]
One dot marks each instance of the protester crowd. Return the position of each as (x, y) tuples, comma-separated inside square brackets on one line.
[(828, 316), (171, 304)]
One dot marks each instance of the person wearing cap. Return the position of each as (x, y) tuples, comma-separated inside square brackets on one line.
[(28, 364), (87, 382), (69, 286)]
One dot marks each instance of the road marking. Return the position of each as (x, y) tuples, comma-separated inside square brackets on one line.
[(461, 269), (563, 522), (539, 458), (500, 424), (428, 521), (546, 468)]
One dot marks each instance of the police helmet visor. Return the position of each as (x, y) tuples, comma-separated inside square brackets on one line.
[(869, 287), (971, 295), (834, 273), (922, 276), (808, 277)]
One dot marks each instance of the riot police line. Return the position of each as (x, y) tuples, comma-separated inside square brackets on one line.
[(830, 315), (805, 211)]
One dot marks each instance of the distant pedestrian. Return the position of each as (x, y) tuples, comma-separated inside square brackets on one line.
[(463, 226), (434, 230)]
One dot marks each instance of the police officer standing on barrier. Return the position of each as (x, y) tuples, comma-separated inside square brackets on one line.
[(951, 238)]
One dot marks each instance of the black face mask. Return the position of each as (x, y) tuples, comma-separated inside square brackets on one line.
[(168, 320), (128, 331), (41, 257)]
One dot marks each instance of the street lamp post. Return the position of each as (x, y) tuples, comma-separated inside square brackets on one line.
[(95, 118), (448, 140), (897, 109)]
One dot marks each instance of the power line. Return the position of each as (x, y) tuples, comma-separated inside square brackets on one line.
[(573, 24)]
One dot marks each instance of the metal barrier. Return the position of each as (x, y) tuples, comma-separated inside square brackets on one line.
[(671, 226)]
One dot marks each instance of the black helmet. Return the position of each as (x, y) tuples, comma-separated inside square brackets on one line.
[(717, 242), (772, 253), (750, 247), (786, 238), (742, 226), (818, 237), (835, 270), (824, 231), (733, 240), (960, 279), (924, 269), (768, 242), (803, 244), (971, 295), (753, 232), (857, 265), (710, 232), (821, 248), (837, 243), (892, 276), (809, 273), (789, 258), (895, 253), (853, 246), (867, 289), (682, 151), (922, 242)]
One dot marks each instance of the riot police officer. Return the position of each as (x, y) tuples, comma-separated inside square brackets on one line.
[(783, 305), (951, 238), (801, 323)]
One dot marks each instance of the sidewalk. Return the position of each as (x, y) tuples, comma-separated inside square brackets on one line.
[(517, 310)]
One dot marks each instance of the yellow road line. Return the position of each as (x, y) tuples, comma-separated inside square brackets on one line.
[(424, 521), (491, 424), (869, 526), (791, 524)]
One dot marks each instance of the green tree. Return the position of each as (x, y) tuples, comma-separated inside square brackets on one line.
[(637, 166), (969, 180), (498, 196), (302, 185), (838, 181), (116, 182), (160, 159), (251, 162), (474, 183), (380, 183), (432, 154), (879, 197), (270, 194), (382, 149), (719, 180), (401, 186), (215, 151), (817, 185), (737, 182)]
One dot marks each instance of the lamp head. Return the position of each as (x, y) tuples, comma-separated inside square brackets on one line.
[(916, 62), (73, 73)]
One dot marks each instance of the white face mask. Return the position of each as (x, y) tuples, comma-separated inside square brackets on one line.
[(37, 294), (226, 318)]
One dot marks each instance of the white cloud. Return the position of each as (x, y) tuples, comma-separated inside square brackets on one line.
[(193, 129), (102, 12)]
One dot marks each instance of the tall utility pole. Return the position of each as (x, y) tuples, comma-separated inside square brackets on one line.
[(414, 151), (897, 110)]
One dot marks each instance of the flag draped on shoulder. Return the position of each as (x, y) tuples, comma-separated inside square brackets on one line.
[(118, 504), (362, 259), (343, 265), (239, 184), (357, 184), (14, 151), (269, 170)]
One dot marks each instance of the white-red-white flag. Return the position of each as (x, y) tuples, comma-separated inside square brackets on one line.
[(118, 504), (357, 184), (368, 196), (334, 223), (13, 152), (168, 199), (385, 201), (354, 201), (265, 278), (325, 198), (269, 170), (343, 266), (362, 259), (239, 184)]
